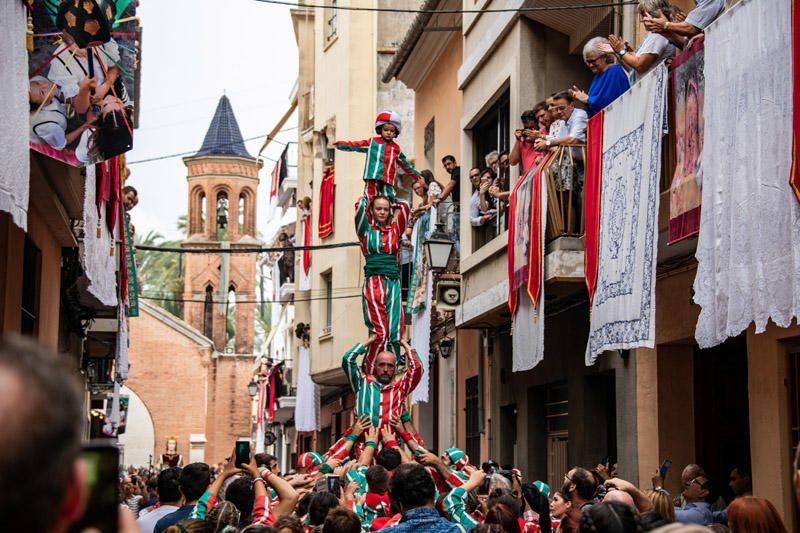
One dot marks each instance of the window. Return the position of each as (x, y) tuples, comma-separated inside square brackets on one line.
[(202, 211), (493, 130), (327, 289), (31, 278), (490, 134), (222, 216), (230, 321), (208, 312), (473, 416), (331, 20), (242, 204)]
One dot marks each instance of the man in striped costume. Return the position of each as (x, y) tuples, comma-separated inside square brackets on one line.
[(382, 395), (383, 157), (381, 297)]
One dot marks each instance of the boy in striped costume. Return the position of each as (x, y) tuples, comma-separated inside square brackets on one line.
[(383, 157), (381, 395), (381, 298)]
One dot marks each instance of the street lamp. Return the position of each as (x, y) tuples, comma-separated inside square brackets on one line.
[(445, 347), (438, 247), (252, 388)]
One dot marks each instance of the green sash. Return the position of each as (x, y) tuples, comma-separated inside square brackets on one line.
[(382, 265)]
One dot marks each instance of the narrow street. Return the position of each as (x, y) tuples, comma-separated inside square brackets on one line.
[(340, 266)]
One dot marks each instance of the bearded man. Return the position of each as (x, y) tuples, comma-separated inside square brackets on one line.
[(380, 396)]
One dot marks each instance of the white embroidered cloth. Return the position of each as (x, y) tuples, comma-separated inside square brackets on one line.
[(15, 110), (421, 321), (527, 342), (623, 310), (306, 411), (748, 250), (98, 263)]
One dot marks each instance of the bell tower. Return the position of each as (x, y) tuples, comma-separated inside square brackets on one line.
[(223, 185)]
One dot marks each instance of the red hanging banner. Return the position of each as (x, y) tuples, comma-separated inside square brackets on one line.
[(794, 178), (326, 198), (591, 202)]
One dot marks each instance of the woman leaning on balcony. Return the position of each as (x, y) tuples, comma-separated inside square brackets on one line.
[(654, 48), (609, 81)]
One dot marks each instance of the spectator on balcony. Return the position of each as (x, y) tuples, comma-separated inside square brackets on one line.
[(556, 122), (502, 174), (286, 261), (574, 129), (543, 117), (451, 191), (698, 19), (430, 191), (493, 161), (654, 48), (610, 80), (523, 152), (480, 205)]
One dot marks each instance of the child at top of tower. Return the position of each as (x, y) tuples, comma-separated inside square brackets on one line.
[(383, 157)]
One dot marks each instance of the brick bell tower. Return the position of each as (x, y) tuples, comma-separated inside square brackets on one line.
[(223, 185)]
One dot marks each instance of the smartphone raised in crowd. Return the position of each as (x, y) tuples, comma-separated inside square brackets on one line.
[(662, 470), (102, 476), (242, 453), (334, 486)]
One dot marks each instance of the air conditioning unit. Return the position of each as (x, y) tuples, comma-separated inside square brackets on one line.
[(448, 295)]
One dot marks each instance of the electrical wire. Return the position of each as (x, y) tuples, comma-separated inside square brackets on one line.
[(236, 302), (221, 145), (449, 11), (254, 250)]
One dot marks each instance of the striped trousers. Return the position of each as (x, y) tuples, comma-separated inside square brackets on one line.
[(383, 315), (373, 188)]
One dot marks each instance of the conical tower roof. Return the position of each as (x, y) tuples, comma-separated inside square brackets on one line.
[(223, 136)]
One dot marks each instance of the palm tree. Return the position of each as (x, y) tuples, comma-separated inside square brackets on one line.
[(161, 273)]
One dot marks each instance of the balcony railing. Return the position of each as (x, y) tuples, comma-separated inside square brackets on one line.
[(564, 175)]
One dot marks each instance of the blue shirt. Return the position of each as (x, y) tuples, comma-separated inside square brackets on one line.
[(173, 518), (606, 87), (694, 513), (423, 520)]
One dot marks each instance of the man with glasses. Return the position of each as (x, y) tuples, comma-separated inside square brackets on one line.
[(697, 510), (580, 488), (574, 131)]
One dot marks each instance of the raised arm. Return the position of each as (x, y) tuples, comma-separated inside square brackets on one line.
[(209, 497), (362, 217), (413, 374), (455, 503), (371, 439), (405, 165), (401, 220), (353, 146), (350, 363)]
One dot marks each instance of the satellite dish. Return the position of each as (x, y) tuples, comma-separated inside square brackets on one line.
[(269, 438)]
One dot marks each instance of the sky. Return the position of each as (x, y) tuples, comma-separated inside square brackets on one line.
[(192, 52)]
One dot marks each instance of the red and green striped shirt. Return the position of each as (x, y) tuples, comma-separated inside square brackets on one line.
[(380, 402), (382, 159), (380, 239)]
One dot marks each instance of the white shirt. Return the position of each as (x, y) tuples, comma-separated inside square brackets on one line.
[(575, 126), (657, 45), (147, 523), (555, 129), (705, 13), (68, 72)]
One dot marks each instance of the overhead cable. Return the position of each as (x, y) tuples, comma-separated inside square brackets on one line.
[(450, 11)]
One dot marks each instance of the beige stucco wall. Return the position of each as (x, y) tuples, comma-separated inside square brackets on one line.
[(439, 98)]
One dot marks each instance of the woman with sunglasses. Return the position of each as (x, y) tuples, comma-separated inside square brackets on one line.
[(610, 79)]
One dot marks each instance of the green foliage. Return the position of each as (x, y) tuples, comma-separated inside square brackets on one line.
[(160, 273)]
